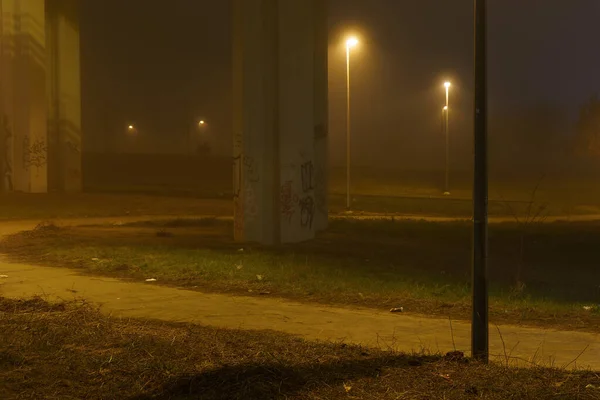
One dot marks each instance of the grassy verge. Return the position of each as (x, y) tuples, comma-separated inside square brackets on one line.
[(423, 267), (71, 351)]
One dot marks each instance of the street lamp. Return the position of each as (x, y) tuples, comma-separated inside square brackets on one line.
[(195, 130), (447, 110), (350, 43)]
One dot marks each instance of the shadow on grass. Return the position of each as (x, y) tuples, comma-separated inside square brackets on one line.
[(277, 380)]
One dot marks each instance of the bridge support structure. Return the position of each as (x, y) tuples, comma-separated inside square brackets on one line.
[(281, 119), (40, 96)]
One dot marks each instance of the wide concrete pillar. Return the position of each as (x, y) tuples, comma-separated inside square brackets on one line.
[(39, 94), (64, 95), (23, 87), (280, 124)]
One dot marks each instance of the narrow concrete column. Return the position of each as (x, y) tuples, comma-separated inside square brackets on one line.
[(280, 84), (64, 95), (24, 127)]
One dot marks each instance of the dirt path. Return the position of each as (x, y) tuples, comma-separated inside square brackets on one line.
[(352, 325)]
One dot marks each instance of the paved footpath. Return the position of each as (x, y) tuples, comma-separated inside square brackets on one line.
[(352, 325)]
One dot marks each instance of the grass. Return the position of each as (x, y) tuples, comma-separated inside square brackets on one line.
[(71, 351), (421, 266)]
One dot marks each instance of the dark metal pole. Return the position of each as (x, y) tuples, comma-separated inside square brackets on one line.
[(479, 328)]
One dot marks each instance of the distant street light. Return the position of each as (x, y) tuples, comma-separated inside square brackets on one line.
[(447, 110), (195, 133), (350, 43)]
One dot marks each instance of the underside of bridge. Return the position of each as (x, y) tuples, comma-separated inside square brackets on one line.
[(280, 124)]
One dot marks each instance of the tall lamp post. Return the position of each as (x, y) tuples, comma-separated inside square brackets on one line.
[(350, 43), (479, 325), (447, 110)]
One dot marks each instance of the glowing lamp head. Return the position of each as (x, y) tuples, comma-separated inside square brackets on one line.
[(201, 122), (130, 127), (351, 42), (447, 85), (445, 108)]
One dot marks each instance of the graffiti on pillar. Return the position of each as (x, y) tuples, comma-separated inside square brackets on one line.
[(306, 201), (307, 211), (34, 153), (6, 155), (307, 176), (288, 201)]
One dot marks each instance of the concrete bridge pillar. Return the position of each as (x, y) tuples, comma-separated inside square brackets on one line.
[(39, 82), (280, 126)]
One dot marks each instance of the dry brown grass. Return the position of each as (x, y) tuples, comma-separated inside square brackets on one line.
[(71, 351)]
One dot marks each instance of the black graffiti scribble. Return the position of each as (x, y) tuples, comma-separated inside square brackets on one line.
[(307, 211), (34, 153), (287, 201), (307, 176)]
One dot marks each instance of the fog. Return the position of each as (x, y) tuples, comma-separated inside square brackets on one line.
[(167, 67)]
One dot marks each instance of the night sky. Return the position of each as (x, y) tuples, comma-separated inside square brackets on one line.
[(162, 67)]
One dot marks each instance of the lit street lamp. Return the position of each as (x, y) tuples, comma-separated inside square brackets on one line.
[(195, 134), (350, 43), (447, 130)]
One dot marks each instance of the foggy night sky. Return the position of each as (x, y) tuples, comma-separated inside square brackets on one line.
[(161, 67)]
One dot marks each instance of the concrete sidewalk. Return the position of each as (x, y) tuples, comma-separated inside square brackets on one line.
[(351, 325)]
